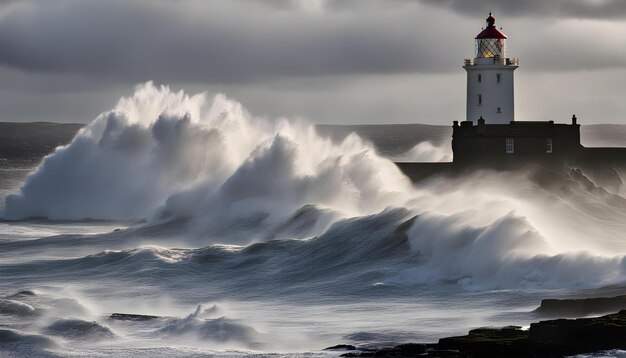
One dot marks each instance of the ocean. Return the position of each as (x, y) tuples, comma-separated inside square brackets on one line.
[(242, 236)]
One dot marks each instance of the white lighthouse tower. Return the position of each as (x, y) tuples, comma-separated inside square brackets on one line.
[(490, 86)]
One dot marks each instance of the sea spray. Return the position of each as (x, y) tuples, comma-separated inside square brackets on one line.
[(223, 176), (303, 242), (507, 254), (158, 145), (427, 152)]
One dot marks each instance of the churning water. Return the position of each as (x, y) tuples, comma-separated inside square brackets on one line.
[(251, 236)]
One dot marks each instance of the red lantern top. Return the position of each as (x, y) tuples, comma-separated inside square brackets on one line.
[(491, 32)]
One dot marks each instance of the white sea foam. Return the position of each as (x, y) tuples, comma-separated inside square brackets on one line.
[(217, 159), (427, 152), (296, 237), (237, 179)]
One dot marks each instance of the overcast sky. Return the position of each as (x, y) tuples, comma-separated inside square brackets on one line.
[(330, 61)]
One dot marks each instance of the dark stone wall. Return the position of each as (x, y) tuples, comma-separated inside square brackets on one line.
[(485, 144)]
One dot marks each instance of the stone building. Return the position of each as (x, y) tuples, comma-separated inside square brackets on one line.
[(491, 138), (516, 142), (496, 139)]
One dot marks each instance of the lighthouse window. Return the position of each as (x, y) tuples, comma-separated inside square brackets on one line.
[(480, 77), (549, 145), (510, 145), (480, 99), (498, 110), (498, 77)]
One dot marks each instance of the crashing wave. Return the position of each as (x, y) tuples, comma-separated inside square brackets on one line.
[(223, 176)]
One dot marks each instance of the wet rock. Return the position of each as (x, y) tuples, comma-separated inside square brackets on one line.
[(488, 342), (545, 339), (26, 293), (443, 353), (581, 335), (132, 317), (552, 338), (341, 347), (403, 350), (581, 307)]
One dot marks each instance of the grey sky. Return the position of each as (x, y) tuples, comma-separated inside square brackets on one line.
[(331, 61)]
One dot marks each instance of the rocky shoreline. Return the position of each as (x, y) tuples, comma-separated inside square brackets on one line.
[(551, 338), (581, 307)]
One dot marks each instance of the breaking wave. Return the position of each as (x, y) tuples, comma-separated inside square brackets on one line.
[(294, 200), (200, 326), (426, 152), (171, 152)]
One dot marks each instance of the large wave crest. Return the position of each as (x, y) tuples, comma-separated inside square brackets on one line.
[(159, 146), (161, 156)]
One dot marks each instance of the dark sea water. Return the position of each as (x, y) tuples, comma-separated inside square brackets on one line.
[(254, 237)]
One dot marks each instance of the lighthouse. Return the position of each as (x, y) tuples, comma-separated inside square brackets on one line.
[(491, 138), (490, 85)]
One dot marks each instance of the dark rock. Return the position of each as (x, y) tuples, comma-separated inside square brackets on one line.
[(581, 335), (131, 317), (402, 350), (546, 339), (489, 341), (341, 347), (409, 349), (442, 353), (26, 293), (581, 307)]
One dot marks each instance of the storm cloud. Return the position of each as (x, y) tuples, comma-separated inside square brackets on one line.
[(584, 9), (224, 42), (603, 9), (337, 61)]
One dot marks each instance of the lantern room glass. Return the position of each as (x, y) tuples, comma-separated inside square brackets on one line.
[(490, 48)]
